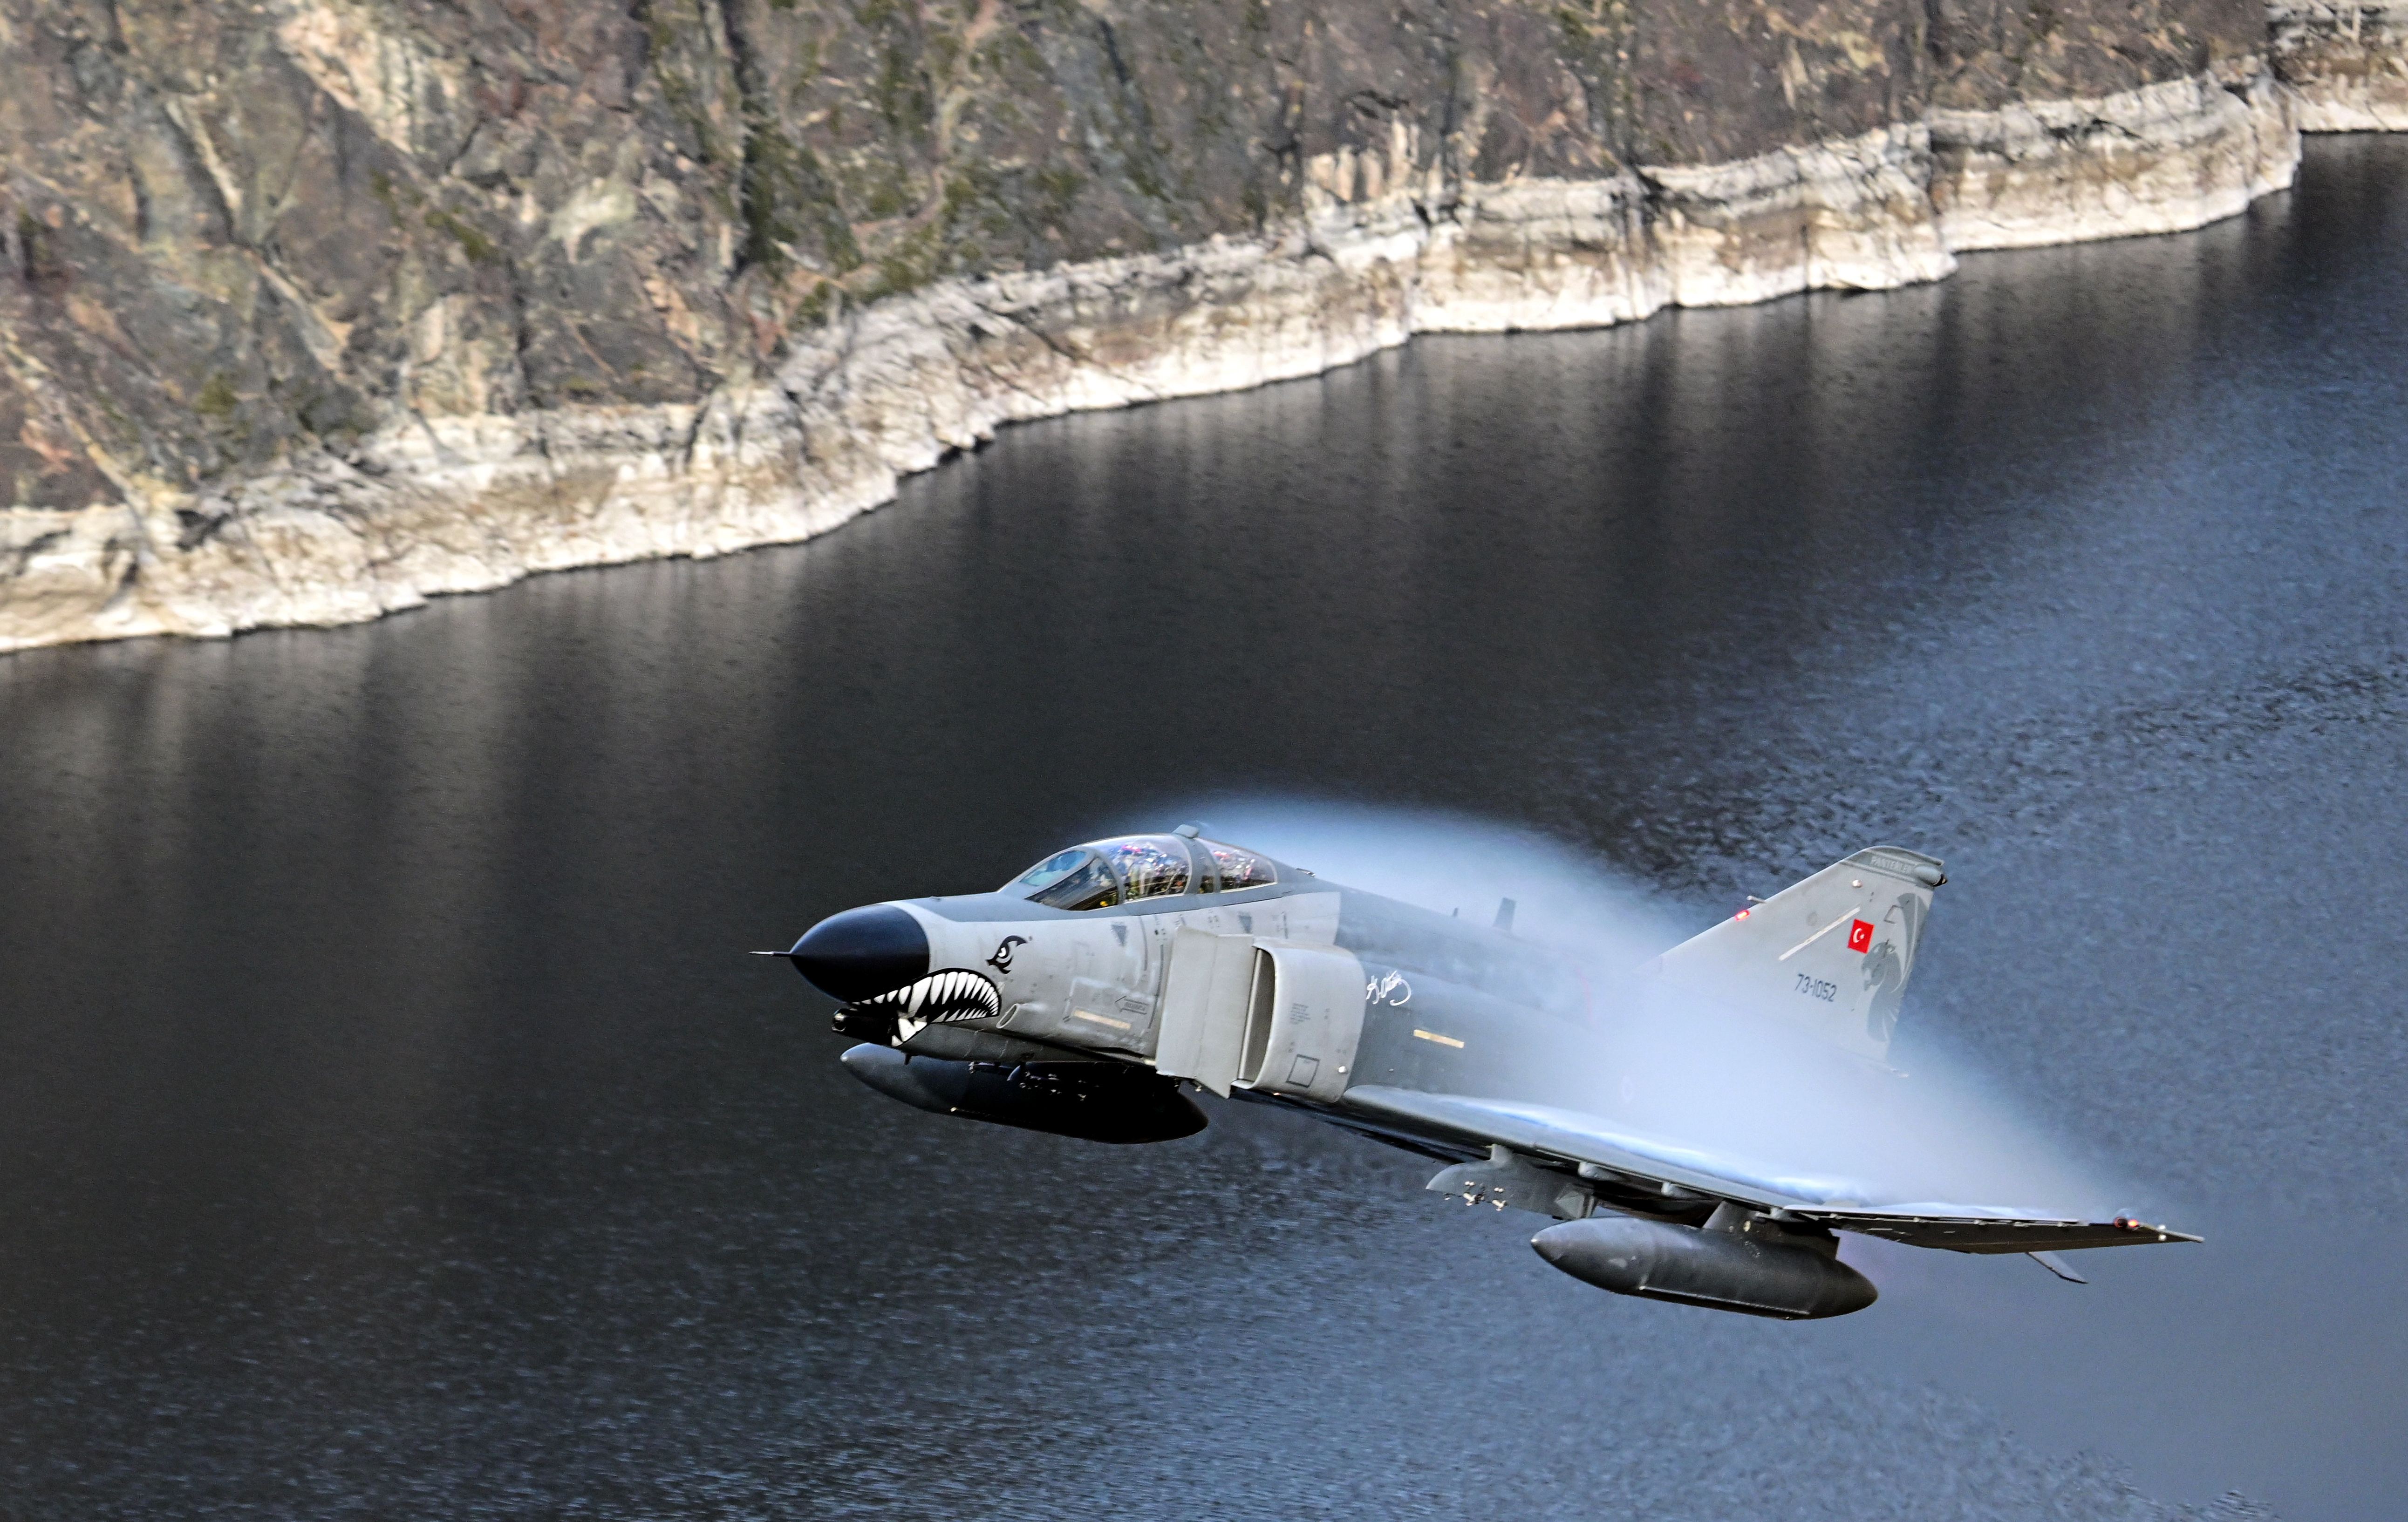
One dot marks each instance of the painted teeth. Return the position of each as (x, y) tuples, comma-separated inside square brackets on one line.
[(945, 998)]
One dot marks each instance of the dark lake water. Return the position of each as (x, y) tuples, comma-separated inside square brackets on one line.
[(391, 1125)]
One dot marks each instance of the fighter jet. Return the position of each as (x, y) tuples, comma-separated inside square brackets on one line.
[(1088, 995)]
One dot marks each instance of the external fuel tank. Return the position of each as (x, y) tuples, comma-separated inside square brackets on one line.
[(1749, 1265)]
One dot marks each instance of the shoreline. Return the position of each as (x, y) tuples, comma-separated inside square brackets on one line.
[(435, 505)]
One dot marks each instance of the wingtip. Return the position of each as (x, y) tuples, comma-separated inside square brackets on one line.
[(2162, 1234)]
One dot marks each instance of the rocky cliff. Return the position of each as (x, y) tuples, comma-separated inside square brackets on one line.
[(313, 308), (2347, 64)]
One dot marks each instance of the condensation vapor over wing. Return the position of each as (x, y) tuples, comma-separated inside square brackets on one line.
[(1682, 1067)]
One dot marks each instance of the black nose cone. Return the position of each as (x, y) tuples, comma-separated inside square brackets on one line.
[(862, 952)]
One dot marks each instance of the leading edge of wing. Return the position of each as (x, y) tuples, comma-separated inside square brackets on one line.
[(1573, 1137), (1570, 1136)]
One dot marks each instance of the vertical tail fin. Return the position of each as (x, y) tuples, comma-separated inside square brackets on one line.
[(1831, 954)]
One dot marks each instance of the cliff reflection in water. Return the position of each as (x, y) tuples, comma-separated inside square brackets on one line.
[(394, 1125)]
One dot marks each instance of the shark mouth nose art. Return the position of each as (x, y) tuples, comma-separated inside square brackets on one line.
[(946, 998)]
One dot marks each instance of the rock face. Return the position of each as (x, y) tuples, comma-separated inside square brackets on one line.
[(313, 308), (2349, 64)]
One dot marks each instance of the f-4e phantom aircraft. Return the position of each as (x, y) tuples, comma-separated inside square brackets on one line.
[(1084, 994)]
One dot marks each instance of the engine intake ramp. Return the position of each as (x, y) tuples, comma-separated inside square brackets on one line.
[(1262, 1015)]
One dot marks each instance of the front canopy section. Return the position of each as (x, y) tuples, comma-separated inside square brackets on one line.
[(1074, 880)]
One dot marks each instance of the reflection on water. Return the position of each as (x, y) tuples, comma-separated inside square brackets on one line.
[(396, 1126)]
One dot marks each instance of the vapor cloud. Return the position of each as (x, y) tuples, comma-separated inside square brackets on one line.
[(1667, 1064)]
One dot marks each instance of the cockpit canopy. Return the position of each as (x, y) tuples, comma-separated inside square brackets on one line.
[(1104, 873)]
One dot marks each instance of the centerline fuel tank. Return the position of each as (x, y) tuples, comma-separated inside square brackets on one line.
[(1096, 1102)]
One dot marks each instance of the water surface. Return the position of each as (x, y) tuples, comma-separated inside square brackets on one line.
[(392, 1126)]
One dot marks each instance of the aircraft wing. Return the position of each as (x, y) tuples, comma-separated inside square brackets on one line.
[(1569, 1136), (1572, 1137), (1980, 1228)]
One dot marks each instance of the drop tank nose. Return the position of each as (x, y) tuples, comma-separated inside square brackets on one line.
[(861, 953)]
